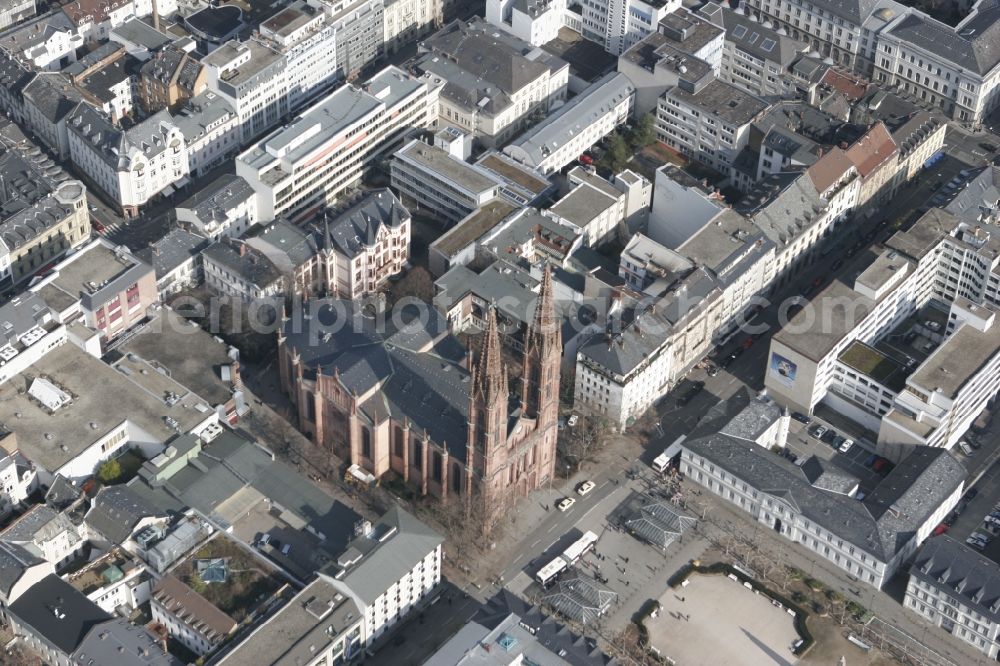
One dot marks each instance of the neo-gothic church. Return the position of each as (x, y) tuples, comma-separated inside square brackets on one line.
[(410, 400)]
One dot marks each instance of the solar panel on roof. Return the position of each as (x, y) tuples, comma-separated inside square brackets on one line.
[(768, 44)]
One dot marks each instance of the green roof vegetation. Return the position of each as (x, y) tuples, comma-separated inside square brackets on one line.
[(872, 363)]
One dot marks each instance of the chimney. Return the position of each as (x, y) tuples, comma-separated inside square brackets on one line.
[(156, 17), (243, 249)]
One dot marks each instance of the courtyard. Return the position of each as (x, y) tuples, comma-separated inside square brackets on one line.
[(715, 620)]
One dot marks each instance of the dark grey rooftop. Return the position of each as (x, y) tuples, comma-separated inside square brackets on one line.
[(286, 245), (173, 250), (758, 39), (357, 228), (881, 525), (116, 510), (418, 366), (141, 34), (973, 44), (374, 561), (100, 82), (216, 198), (960, 572), (245, 261), (77, 614), (123, 644), (722, 100), (85, 62), (824, 475), (15, 560), (53, 95)]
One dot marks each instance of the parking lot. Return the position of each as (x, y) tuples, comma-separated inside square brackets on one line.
[(857, 461)]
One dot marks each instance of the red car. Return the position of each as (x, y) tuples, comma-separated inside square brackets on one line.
[(940, 529), (586, 159), (748, 343), (98, 227)]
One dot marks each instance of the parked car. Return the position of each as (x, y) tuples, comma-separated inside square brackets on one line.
[(263, 541), (987, 146), (846, 445), (971, 494), (941, 529), (585, 488), (713, 370), (973, 543), (573, 418), (801, 418), (980, 536), (837, 441), (829, 436), (871, 460), (286, 549), (690, 394), (819, 431), (565, 503)]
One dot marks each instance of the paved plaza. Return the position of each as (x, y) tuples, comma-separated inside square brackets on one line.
[(721, 622)]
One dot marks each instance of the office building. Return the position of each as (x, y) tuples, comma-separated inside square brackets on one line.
[(868, 538), (393, 565), (307, 165), (130, 166), (253, 78), (957, 589), (576, 126), (618, 25), (494, 84), (306, 37)]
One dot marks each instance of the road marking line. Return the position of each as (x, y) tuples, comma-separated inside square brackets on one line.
[(537, 541), (549, 531)]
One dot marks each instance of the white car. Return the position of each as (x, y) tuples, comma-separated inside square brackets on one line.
[(573, 418), (585, 488), (975, 543), (565, 503), (846, 446), (979, 536)]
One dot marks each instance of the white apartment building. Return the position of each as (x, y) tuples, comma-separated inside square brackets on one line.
[(957, 589), (48, 534), (617, 25), (439, 180), (496, 83), (306, 37), (537, 22), (225, 207), (405, 20), (17, 480), (575, 127), (846, 32), (390, 567), (15, 12), (601, 208), (756, 56), (47, 102), (709, 122), (955, 69), (318, 627), (47, 43), (131, 166), (253, 78), (211, 131), (816, 507), (309, 163), (686, 46)]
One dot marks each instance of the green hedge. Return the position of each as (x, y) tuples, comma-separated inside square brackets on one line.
[(801, 614)]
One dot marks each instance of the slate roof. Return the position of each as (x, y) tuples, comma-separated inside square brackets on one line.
[(372, 563), (174, 249), (14, 561), (753, 36), (854, 11), (62, 493), (116, 146), (960, 572), (417, 365), (973, 44), (100, 82), (477, 64), (287, 246), (223, 194), (77, 614), (824, 475), (40, 524), (557, 638), (783, 205), (52, 94), (122, 644), (881, 525), (253, 266), (357, 228), (116, 510)]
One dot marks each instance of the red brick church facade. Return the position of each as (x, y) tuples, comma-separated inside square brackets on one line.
[(393, 422)]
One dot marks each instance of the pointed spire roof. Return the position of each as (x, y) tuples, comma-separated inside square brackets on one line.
[(491, 377), (545, 321)]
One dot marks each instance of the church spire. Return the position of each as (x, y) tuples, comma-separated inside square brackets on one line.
[(491, 378), (542, 352)]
